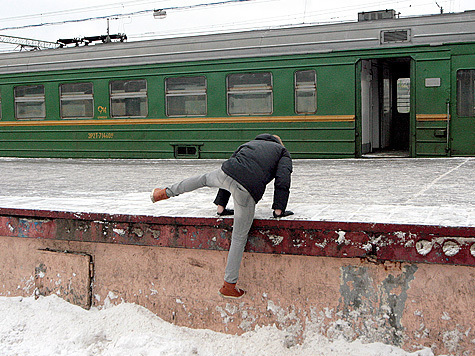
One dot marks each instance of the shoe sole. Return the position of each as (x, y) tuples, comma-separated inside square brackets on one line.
[(151, 197), (230, 296)]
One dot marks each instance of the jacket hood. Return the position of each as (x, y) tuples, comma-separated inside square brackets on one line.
[(267, 137)]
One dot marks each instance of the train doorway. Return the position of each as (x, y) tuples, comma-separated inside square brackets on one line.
[(385, 107)]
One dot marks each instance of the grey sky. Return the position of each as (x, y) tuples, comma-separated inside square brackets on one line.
[(219, 18)]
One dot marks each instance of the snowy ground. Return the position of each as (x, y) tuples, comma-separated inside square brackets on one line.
[(407, 191), (50, 326)]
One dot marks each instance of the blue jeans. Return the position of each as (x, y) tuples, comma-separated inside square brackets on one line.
[(244, 208)]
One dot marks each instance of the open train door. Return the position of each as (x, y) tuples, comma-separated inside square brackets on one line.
[(385, 107)]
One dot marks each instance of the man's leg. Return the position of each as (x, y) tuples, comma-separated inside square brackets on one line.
[(211, 179), (244, 208)]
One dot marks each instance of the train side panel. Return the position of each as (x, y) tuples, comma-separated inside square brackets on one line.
[(463, 99), (432, 92), (441, 114), (327, 132)]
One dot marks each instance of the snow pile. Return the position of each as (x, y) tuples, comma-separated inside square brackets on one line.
[(50, 326)]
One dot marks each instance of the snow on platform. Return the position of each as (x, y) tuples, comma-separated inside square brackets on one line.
[(400, 191)]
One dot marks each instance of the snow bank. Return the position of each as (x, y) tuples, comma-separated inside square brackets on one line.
[(50, 326)]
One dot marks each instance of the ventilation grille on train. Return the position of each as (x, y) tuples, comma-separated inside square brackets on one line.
[(186, 150), (392, 36), (376, 15)]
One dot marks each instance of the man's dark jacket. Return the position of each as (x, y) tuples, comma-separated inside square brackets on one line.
[(254, 165)]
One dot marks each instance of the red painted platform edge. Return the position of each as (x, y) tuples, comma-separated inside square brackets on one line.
[(436, 230), (393, 242)]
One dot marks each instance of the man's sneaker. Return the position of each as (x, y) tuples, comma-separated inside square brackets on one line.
[(158, 194), (229, 290)]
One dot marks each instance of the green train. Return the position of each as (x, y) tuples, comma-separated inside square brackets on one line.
[(400, 85)]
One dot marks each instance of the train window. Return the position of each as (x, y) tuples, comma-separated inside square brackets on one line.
[(305, 92), (403, 95), (186, 96), (249, 93), (30, 102), (76, 100), (466, 92), (128, 98)]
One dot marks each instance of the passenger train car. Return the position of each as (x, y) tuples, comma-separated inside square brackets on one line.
[(333, 90)]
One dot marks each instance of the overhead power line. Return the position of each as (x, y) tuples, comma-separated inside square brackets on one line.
[(289, 18), (63, 12), (134, 13)]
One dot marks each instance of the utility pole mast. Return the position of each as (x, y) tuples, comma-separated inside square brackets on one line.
[(28, 42), (440, 7)]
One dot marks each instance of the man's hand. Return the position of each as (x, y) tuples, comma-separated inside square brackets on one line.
[(282, 214)]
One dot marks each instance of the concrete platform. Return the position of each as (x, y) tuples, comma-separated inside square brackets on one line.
[(378, 249), (405, 285)]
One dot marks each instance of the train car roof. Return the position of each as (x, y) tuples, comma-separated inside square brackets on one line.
[(398, 32)]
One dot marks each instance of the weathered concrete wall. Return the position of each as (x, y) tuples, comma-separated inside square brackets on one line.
[(381, 242), (404, 304), (405, 285)]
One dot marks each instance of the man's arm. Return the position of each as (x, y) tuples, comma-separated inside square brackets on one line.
[(222, 198), (282, 182)]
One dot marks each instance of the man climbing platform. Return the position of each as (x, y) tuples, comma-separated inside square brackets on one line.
[(245, 176)]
